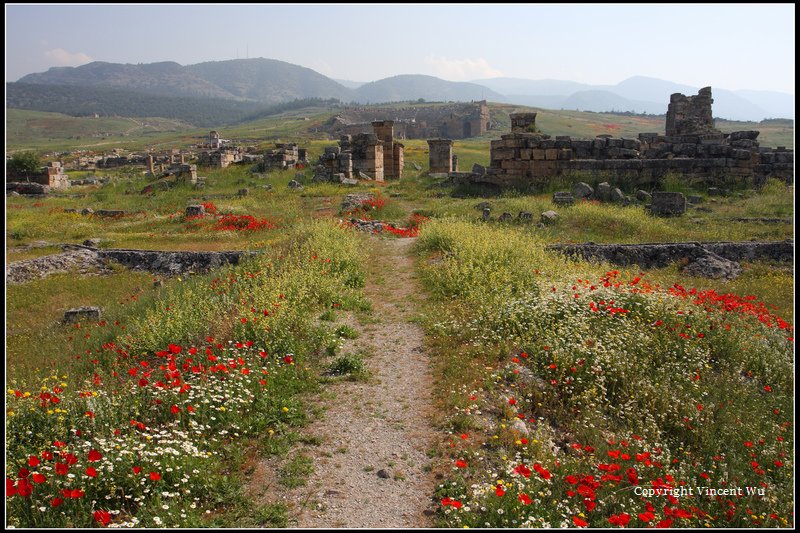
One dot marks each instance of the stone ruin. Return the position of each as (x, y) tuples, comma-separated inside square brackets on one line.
[(440, 156), (49, 177), (691, 115), (284, 156), (374, 156), (454, 121), (222, 158), (691, 148)]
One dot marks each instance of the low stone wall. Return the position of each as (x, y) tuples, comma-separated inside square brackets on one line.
[(172, 263), (87, 260), (658, 255), (532, 158)]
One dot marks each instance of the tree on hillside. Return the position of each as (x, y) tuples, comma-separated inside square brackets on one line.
[(23, 164)]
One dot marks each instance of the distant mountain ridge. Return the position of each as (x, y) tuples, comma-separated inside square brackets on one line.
[(639, 94), (270, 82)]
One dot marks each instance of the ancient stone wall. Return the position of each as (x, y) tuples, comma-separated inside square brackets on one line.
[(454, 121), (51, 176), (691, 115), (693, 149), (659, 255)]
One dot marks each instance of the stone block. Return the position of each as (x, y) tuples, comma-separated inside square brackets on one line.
[(78, 314), (549, 217), (668, 204), (582, 190), (195, 211), (563, 198)]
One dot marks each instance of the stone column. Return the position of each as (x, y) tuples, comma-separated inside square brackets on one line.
[(384, 130), (440, 155)]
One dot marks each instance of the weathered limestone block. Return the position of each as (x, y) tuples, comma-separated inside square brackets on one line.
[(582, 190), (78, 314), (195, 211), (549, 217), (668, 204)]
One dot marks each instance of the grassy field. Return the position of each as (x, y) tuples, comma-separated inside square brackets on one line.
[(33, 130), (494, 292)]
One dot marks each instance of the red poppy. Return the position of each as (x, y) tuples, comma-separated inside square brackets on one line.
[(102, 517), (137, 469), (155, 476), (621, 519), (33, 461), (94, 455), (175, 409), (24, 488), (500, 490), (525, 499), (62, 469), (523, 470), (11, 489), (91, 472), (39, 478), (55, 502), (461, 463), (580, 522)]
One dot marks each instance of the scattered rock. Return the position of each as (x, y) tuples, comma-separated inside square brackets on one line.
[(416, 166), (668, 204), (372, 226), (525, 216), (27, 188), (582, 190), (563, 198), (487, 214), (243, 192), (617, 196), (505, 217), (383, 474), (603, 192), (694, 199), (483, 205), (356, 200), (295, 185), (94, 243), (78, 314), (710, 265), (644, 196), (197, 210), (87, 211), (109, 213), (549, 217), (478, 170), (347, 181)]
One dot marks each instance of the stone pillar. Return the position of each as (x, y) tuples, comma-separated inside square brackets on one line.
[(398, 160), (455, 163), (440, 155), (690, 115), (384, 130), (523, 122), (150, 168)]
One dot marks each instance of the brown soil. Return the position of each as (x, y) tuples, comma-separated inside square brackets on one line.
[(371, 470)]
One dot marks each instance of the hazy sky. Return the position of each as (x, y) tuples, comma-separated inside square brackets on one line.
[(726, 46)]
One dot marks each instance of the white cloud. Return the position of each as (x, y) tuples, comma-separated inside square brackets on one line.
[(462, 69), (61, 58)]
